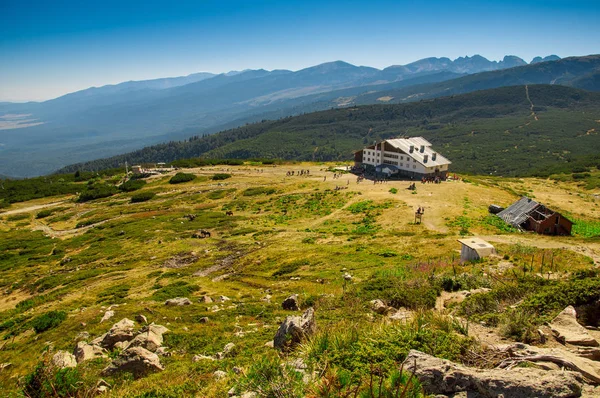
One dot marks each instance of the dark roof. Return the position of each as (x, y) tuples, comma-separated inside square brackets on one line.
[(518, 212)]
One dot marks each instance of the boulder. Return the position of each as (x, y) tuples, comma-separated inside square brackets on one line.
[(156, 329), (379, 307), (205, 299), (178, 301), (63, 359), (566, 329), (440, 376), (107, 315), (294, 329), (82, 336), (228, 349), (291, 303), (136, 360), (121, 331), (223, 299), (204, 319), (84, 351), (148, 340), (198, 358)]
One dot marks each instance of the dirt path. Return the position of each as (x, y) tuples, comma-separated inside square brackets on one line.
[(531, 103), (31, 208), (67, 232), (590, 249)]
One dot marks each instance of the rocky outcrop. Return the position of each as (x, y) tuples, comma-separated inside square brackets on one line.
[(148, 340), (440, 376), (178, 301), (84, 351), (63, 359), (290, 303), (107, 315), (566, 329), (121, 331), (294, 329), (379, 307), (136, 360)]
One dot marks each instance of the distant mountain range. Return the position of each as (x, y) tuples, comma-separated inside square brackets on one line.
[(109, 120)]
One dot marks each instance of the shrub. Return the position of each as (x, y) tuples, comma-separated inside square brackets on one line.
[(132, 185), (44, 213), (258, 191), (176, 289), (18, 217), (47, 381), (220, 176), (219, 193), (393, 190), (48, 320), (290, 267), (181, 177), (399, 293), (519, 325), (96, 191), (142, 197)]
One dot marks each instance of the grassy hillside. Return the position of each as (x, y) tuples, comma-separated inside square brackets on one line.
[(64, 266), (518, 130)]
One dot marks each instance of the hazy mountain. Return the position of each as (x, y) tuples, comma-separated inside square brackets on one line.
[(545, 59), (109, 120)]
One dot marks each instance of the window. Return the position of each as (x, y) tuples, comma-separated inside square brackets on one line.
[(391, 156), (389, 162), (414, 166)]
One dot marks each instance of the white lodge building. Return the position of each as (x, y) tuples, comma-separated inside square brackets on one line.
[(407, 157)]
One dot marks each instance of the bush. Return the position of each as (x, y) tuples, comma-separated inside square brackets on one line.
[(393, 190), (258, 191), (48, 320), (47, 381), (142, 197), (399, 293), (132, 185), (97, 191), (220, 176), (44, 213), (181, 177), (176, 289), (290, 267)]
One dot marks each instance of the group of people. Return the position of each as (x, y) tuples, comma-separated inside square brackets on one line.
[(427, 180), (298, 173)]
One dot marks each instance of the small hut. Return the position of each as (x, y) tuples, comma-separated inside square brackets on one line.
[(474, 248)]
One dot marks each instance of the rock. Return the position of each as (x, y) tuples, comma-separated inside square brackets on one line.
[(294, 329), (141, 318), (347, 277), (198, 358), (102, 386), (205, 299), (440, 376), (120, 345), (82, 336), (223, 299), (63, 359), (228, 349), (219, 374), (148, 340), (542, 336), (5, 365), (231, 392), (178, 301), (204, 319), (84, 351), (379, 307), (107, 315), (269, 344), (566, 329), (237, 370), (249, 394), (156, 329), (121, 331), (136, 360), (162, 351), (267, 298), (290, 303), (401, 314)]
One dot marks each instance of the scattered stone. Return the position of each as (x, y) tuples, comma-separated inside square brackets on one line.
[(237, 370), (198, 358), (5, 365), (136, 360), (566, 329), (204, 319), (223, 299), (141, 318), (402, 314), (102, 386), (379, 307), (270, 344), (267, 298), (148, 340), (205, 299), (121, 331), (219, 374), (542, 336), (63, 359), (228, 348), (347, 277), (249, 394), (84, 351), (82, 336), (231, 392), (294, 329), (107, 315), (121, 345), (440, 376), (178, 301), (290, 303)]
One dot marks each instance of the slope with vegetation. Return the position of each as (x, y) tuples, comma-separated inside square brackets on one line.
[(495, 131), (336, 248)]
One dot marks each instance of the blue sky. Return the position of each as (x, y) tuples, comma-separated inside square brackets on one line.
[(49, 48)]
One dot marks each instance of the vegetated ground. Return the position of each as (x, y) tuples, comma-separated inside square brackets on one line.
[(287, 235)]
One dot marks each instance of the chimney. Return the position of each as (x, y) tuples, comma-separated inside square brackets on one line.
[(412, 148), (425, 158), (434, 156), (422, 148)]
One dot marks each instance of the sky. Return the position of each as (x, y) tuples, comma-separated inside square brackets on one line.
[(50, 48)]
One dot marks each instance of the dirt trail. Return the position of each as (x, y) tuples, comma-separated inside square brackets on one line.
[(31, 208), (531, 103), (590, 249), (66, 232)]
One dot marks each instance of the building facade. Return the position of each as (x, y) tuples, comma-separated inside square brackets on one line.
[(404, 157)]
